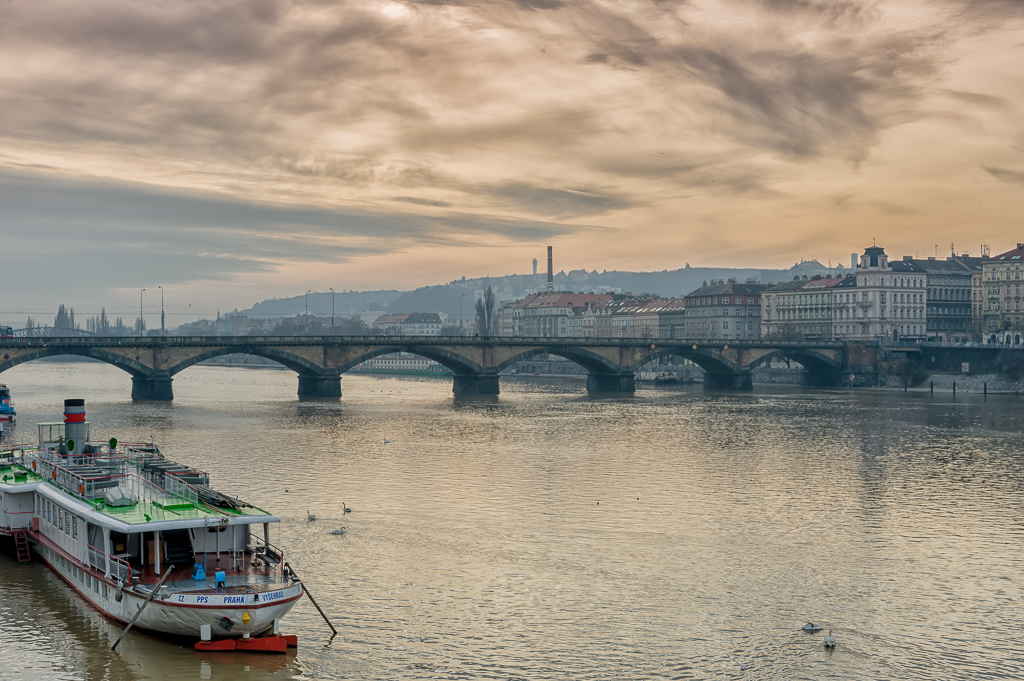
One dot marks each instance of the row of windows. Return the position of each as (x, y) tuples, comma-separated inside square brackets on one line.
[(712, 325), (723, 312), (912, 330), (897, 313), (995, 306), (996, 289), (898, 282), (948, 294), (1000, 273), (76, 573), (713, 300), (64, 521)]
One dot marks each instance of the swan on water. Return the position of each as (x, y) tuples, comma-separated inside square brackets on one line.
[(811, 626), (340, 530), (310, 516), (830, 640), (344, 508)]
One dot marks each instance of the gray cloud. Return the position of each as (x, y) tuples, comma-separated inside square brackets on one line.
[(1005, 175), (130, 233)]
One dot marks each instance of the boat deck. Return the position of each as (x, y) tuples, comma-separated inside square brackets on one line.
[(164, 506), (249, 579), (17, 475)]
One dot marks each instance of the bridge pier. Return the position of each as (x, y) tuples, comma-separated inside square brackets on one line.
[(152, 388), (611, 383), (319, 387), (739, 380), (478, 384)]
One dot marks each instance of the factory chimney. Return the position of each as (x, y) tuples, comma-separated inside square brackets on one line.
[(551, 272)]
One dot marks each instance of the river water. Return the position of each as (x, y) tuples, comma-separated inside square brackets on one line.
[(545, 534)]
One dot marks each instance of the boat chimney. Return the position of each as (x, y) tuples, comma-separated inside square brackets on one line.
[(551, 272), (76, 429)]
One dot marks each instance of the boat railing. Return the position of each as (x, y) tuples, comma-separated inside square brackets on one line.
[(267, 552), (91, 488), (120, 569), (118, 566), (182, 489), (86, 488), (16, 520), (97, 558), (148, 491)]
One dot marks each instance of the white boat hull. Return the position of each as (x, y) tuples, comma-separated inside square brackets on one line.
[(184, 614)]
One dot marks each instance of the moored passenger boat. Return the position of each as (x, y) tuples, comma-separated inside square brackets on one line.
[(7, 412), (121, 525)]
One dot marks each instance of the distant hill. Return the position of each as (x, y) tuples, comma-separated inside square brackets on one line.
[(346, 304), (445, 298)]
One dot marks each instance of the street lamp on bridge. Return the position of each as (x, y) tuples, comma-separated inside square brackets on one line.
[(306, 330), (140, 313), (460, 313), (162, 332), (332, 310)]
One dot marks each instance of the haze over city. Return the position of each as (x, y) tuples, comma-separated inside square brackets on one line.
[(237, 151)]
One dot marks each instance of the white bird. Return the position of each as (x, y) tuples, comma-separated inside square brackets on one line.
[(830, 640), (344, 508), (387, 441), (310, 516), (340, 530), (811, 626)]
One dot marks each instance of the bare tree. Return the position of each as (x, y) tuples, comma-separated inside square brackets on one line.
[(486, 313), (65, 318)]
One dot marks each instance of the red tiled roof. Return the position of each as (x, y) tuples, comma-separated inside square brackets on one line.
[(1016, 254), (556, 299)]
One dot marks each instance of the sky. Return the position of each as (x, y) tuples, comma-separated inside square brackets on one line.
[(235, 151)]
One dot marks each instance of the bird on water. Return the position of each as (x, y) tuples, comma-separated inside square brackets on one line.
[(344, 508), (340, 530), (811, 626), (310, 517), (830, 640)]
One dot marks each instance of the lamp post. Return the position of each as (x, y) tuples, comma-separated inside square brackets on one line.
[(306, 330), (140, 312), (460, 313), (332, 311), (162, 332)]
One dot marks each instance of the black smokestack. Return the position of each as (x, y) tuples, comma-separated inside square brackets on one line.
[(551, 271)]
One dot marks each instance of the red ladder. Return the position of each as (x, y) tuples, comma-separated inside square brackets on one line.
[(21, 546)]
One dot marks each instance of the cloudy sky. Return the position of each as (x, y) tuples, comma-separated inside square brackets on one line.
[(232, 151)]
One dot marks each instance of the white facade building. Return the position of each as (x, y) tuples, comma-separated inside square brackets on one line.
[(887, 302)]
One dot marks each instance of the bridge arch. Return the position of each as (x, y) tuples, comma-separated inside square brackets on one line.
[(591, 361), (134, 367), (812, 360), (707, 359), (457, 363), (298, 364)]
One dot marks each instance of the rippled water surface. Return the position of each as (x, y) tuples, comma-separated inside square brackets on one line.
[(546, 534)]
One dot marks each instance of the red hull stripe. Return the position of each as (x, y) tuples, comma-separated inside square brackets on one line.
[(74, 418)]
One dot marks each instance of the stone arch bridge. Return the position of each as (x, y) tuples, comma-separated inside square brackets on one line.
[(320, 361)]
